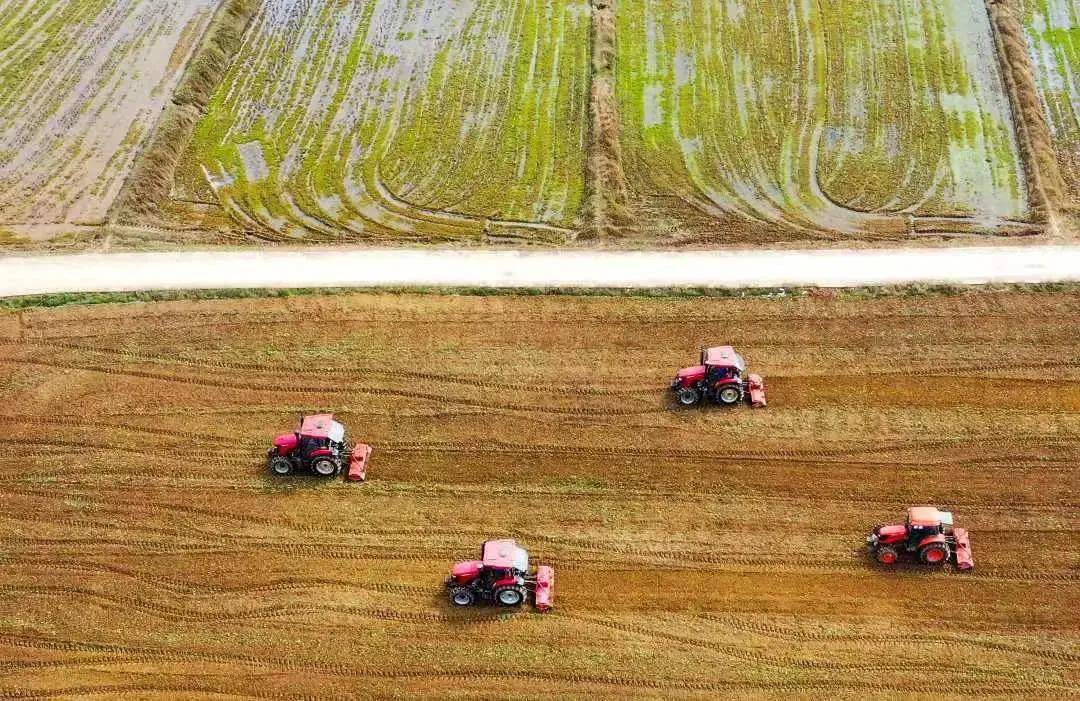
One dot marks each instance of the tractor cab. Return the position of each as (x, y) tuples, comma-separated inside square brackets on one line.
[(504, 557), (723, 359), (320, 432), (926, 521)]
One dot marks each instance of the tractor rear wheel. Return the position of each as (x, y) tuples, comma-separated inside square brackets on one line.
[(729, 395), (935, 554), (887, 555), (462, 596), (281, 465), (688, 396), (324, 467), (510, 596)]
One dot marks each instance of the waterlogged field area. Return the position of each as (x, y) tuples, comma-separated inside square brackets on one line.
[(698, 554), (644, 122), (81, 84), (1053, 28), (408, 119), (852, 117)]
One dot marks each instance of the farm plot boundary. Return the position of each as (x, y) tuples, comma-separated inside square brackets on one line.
[(506, 415), (147, 210)]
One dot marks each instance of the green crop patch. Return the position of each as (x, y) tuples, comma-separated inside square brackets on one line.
[(411, 119), (1053, 33), (630, 123), (854, 117)]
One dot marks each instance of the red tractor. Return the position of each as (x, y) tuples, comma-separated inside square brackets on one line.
[(721, 377), (501, 576), (318, 445), (927, 536)]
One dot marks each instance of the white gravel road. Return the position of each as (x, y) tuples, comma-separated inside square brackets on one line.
[(354, 267)]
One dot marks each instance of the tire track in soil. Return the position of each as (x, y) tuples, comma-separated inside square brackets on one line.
[(347, 372), (583, 544), (334, 390), (787, 662), (781, 633), (647, 560), (835, 455), (187, 588), (935, 372), (135, 654)]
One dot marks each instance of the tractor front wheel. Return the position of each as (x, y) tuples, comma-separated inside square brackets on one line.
[(887, 555), (324, 467), (462, 596), (688, 396), (510, 596), (729, 395), (935, 554), (281, 465)]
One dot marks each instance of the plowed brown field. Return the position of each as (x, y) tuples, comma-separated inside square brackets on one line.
[(145, 553)]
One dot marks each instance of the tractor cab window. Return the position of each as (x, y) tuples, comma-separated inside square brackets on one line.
[(916, 534), (720, 372), (308, 444)]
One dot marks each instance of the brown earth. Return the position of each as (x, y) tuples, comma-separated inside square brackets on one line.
[(144, 551)]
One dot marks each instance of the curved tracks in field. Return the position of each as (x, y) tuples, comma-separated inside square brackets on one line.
[(403, 120), (864, 118)]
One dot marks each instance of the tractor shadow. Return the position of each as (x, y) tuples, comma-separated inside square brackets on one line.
[(907, 568), (298, 482)]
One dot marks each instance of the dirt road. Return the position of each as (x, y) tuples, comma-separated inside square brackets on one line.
[(699, 553), (349, 267)]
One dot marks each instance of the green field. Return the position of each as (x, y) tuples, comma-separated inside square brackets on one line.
[(412, 119), (81, 83), (638, 122), (819, 116), (1053, 28)]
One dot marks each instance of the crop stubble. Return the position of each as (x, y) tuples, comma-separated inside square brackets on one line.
[(698, 553)]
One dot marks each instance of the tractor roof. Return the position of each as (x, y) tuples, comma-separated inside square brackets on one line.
[(722, 356), (924, 516), (504, 554), (322, 426)]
